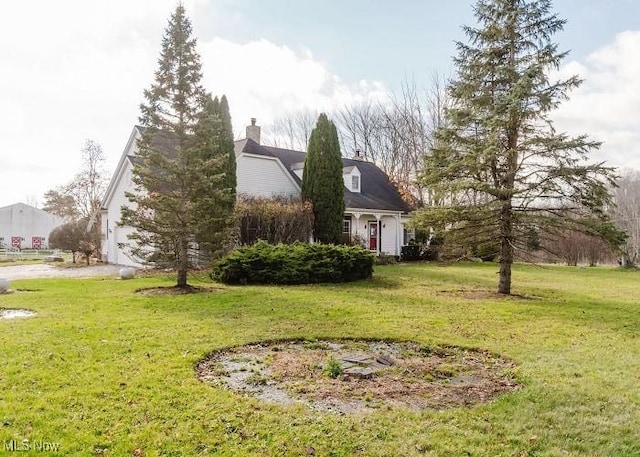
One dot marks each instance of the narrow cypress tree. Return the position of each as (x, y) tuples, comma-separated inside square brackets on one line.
[(214, 189), (227, 145), (178, 167), (322, 182), (505, 171)]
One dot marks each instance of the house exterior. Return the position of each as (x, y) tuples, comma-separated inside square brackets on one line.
[(375, 213), (113, 234), (26, 227)]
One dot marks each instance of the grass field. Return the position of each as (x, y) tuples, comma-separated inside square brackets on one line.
[(104, 371)]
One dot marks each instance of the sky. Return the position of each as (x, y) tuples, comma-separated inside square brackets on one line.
[(73, 70)]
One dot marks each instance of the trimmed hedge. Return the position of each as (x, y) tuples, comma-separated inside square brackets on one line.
[(297, 263)]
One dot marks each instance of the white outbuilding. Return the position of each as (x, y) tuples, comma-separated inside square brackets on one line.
[(26, 227)]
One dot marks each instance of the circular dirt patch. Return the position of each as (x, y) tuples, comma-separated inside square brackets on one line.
[(15, 313), (360, 376), (484, 294), (175, 290)]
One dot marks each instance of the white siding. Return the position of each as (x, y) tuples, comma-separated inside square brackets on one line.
[(257, 176), (113, 232), (388, 228), (26, 222), (390, 231), (348, 179), (264, 177)]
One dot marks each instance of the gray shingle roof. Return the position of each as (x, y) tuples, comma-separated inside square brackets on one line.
[(376, 191)]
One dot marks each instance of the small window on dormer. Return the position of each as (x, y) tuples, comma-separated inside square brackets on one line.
[(355, 183)]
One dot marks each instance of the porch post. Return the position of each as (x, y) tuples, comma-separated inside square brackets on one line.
[(398, 234), (378, 217), (357, 216)]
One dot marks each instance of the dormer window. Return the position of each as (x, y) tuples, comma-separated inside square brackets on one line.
[(351, 176), (355, 183)]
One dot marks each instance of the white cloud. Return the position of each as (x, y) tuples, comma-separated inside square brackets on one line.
[(77, 69), (266, 81), (607, 105)]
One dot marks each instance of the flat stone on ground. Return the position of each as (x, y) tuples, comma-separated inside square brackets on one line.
[(360, 372), (357, 358), (384, 360)]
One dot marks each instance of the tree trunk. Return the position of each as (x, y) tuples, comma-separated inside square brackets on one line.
[(504, 287), (506, 249), (183, 263)]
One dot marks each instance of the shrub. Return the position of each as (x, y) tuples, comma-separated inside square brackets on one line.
[(276, 220), (74, 236), (333, 368), (411, 252), (298, 263)]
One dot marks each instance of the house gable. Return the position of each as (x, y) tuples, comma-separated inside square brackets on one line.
[(124, 163), (264, 176), (352, 178), (375, 189)]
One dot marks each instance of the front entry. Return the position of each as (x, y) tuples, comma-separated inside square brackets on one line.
[(374, 235)]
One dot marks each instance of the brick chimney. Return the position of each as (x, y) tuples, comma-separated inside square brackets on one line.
[(253, 131)]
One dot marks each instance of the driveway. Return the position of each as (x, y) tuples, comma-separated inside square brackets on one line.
[(49, 271)]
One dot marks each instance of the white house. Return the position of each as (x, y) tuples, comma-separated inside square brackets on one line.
[(26, 227), (375, 212)]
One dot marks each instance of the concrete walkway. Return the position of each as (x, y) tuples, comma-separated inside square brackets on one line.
[(49, 271)]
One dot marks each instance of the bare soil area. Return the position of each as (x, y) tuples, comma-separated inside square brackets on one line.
[(176, 290), (360, 376)]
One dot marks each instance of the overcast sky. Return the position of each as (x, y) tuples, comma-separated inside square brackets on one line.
[(72, 70)]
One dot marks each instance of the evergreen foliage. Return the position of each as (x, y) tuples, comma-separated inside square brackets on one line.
[(502, 169), (322, 182), (183, 200), (298, 263), (215, 186), (227, 145)]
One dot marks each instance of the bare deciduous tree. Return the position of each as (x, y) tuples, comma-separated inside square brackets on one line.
[(292, 130), (89, 185), (81, 197), (574, 247), (394, 133), (360, 125), (627, 214)]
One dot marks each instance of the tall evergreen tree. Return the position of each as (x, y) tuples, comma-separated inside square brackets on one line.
[(215, 187), (507, 172), (178, 169), (227, 145), (322, 182)]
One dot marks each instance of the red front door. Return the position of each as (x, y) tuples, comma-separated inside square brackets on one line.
[(36, 242), (16, 242), (373, 236)]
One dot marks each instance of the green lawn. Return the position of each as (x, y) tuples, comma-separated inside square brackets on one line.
[(103, 371)]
